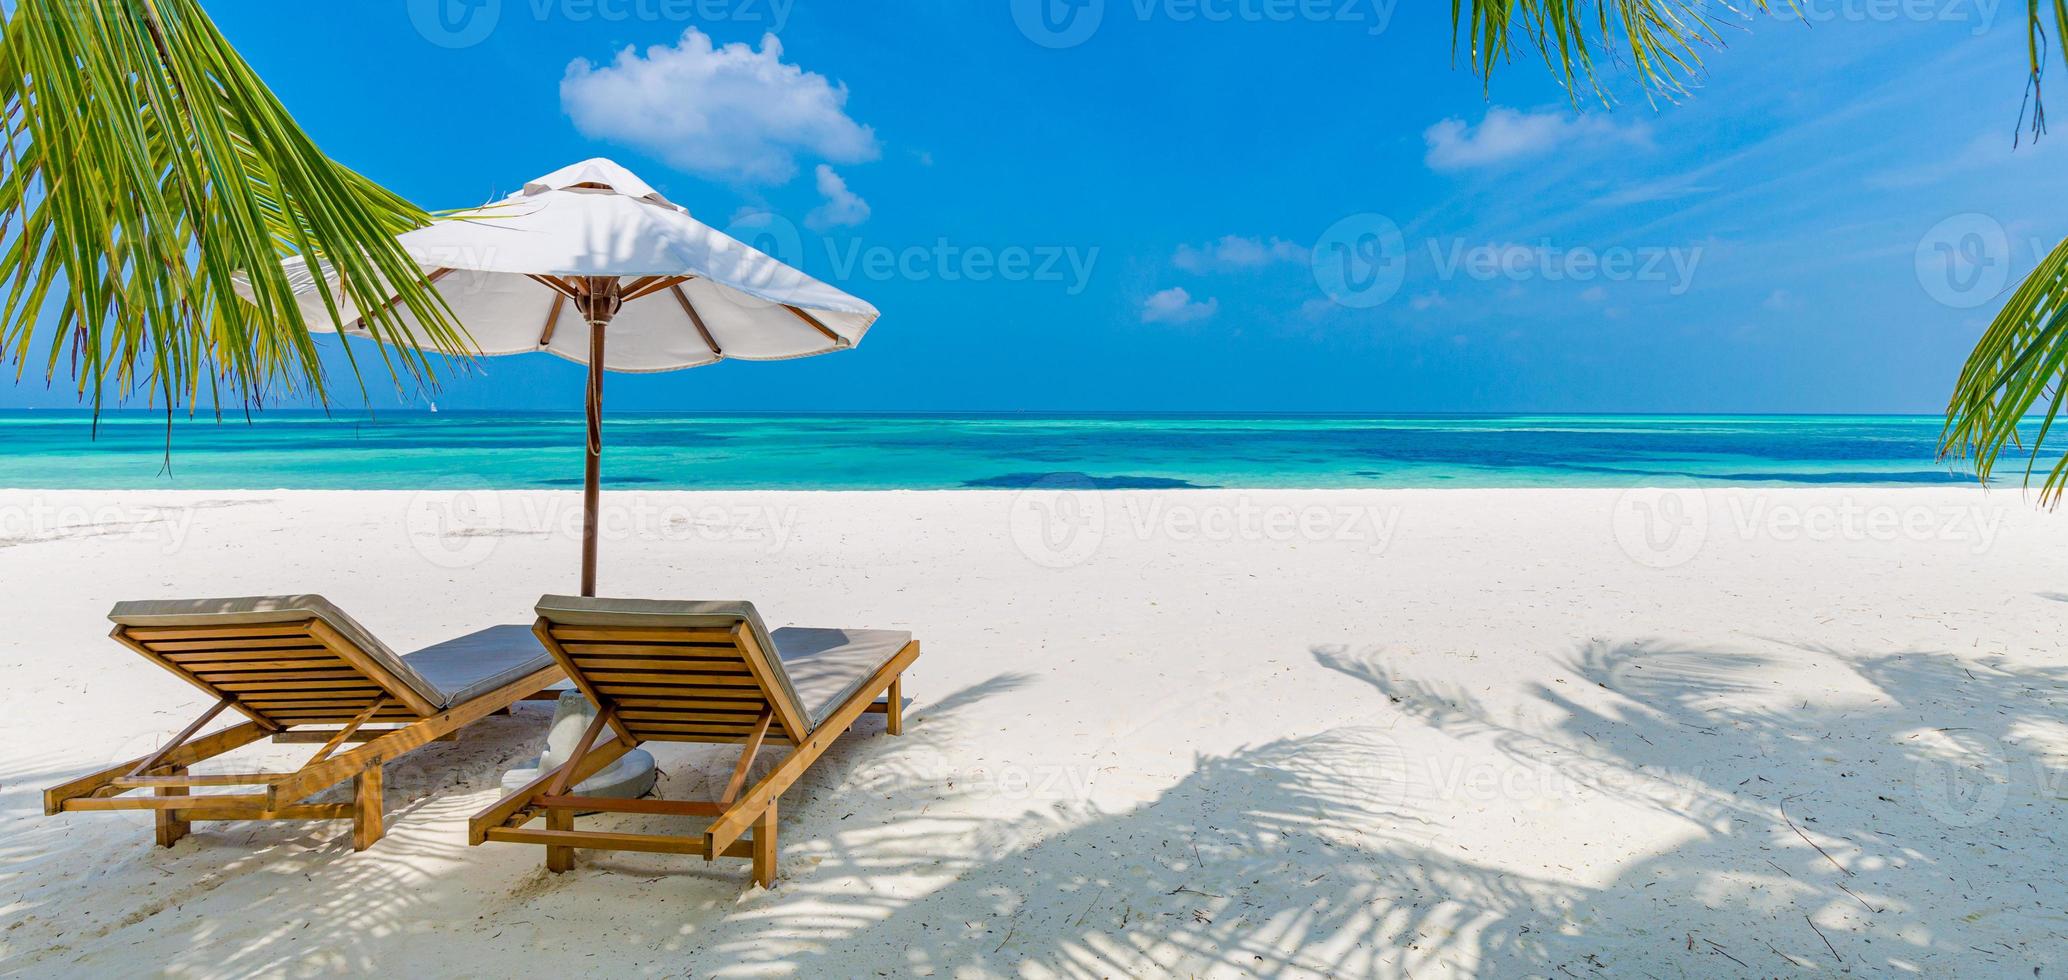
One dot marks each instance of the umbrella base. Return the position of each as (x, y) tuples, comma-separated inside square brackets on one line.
[(629, 778)]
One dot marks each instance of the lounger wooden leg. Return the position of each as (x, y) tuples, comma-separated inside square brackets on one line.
[(894, 713), (765, 847), (366, 808), (559, 859), (170, 825)]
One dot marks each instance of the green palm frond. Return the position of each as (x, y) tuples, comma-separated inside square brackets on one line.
[(147, 174), (1662, 38), (2021, 362)]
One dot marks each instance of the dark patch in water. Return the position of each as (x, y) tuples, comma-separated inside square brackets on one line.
[(1861, 478), (1919, 476), (1083, 481), (1633, 474)]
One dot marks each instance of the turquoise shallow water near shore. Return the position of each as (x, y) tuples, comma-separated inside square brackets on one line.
[(854, 452)]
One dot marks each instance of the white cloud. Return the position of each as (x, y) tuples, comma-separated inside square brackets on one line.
[(1236, 252), (1988, 153), (1320, 308), (1175, 305), (1663, 189), (1510, 134), (842, 207), (731, 112)]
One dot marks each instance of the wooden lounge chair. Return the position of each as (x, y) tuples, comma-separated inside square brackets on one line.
[(697, 672), (286, 663)]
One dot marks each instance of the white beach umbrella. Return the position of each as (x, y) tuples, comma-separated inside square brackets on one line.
[(590, 253)]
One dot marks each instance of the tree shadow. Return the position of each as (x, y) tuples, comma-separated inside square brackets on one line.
[(1272, 861), (1902, 816), (1772, 834)]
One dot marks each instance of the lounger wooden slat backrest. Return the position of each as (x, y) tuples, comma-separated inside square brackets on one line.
[(280, 674), (684, 684)]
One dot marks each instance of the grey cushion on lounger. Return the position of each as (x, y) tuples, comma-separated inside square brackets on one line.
[(827, 666), (451, 672), (467, 667), (815, 668)]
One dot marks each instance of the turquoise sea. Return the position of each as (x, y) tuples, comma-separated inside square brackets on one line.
[(405, 450)]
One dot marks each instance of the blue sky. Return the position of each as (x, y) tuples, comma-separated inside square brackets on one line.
[(1153, 212)]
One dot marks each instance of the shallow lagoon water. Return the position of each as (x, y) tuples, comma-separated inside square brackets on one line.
[(407, 450)]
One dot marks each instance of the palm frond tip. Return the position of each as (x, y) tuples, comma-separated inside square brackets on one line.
[(146, 170)]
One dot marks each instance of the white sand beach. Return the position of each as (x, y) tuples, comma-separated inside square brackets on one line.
[(1192, 733)]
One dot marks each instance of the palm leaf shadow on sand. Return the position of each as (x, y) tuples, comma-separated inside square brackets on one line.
[(1325, 854), (1217, 875), (1884, 809)]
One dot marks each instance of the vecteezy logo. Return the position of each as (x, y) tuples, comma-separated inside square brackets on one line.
[(454, 528), (1058, 23), (770, 233), (1058, 522), (1964, 261), (455, 23), (1360, 261), (1661, 528), (1965, 788)]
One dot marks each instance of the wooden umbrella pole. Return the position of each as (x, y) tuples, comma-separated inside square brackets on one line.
[(599, 304)]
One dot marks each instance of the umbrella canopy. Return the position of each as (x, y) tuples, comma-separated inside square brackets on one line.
[(590, 263), (691, 295)]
